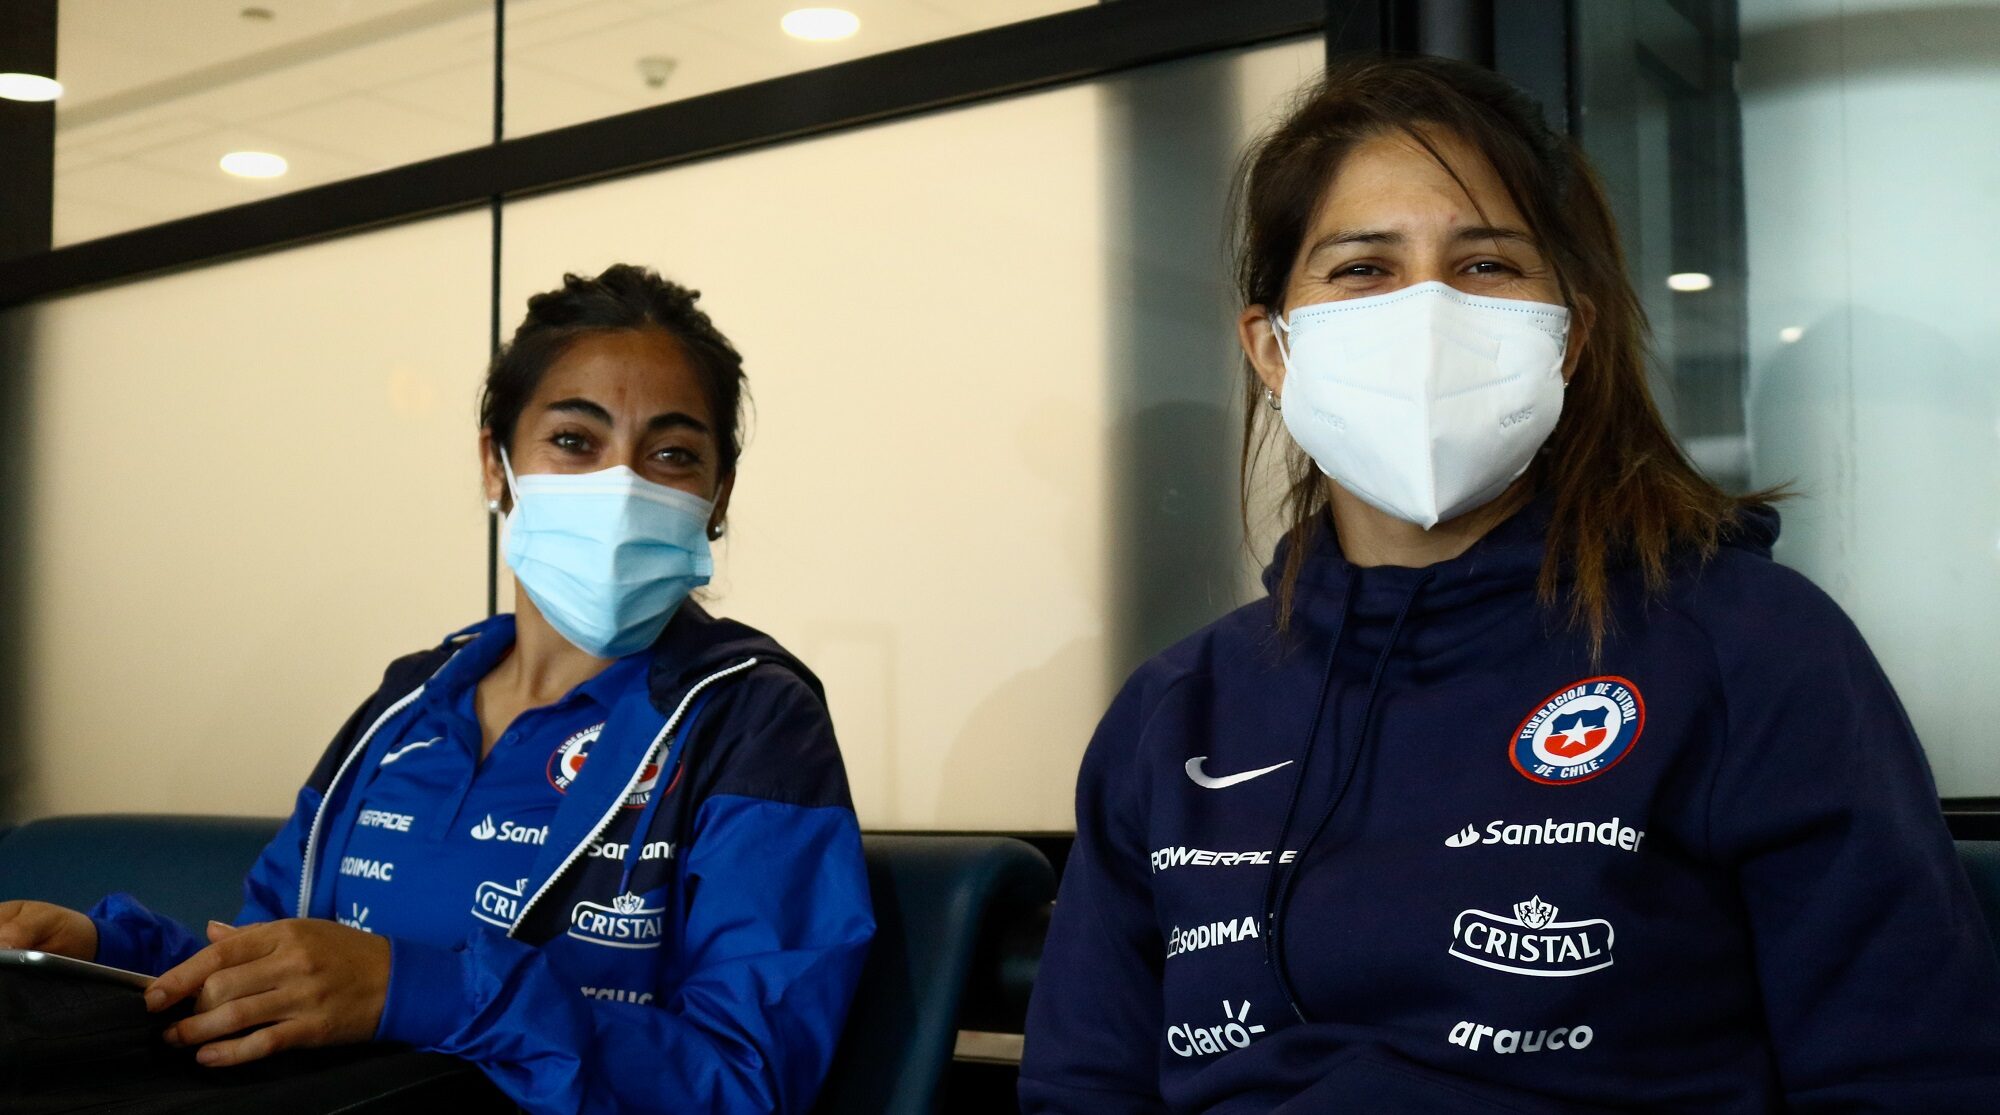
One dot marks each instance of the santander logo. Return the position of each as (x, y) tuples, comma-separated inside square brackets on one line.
[(1614, 833)]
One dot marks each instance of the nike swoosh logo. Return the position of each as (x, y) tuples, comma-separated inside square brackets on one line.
[(407, 748), (1207, 783)]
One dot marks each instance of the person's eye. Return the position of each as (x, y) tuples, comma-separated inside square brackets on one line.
[(569, 441), (1492, 267), (678, 456), (1356, 271)]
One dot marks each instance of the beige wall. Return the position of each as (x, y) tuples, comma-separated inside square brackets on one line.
[(251, 486), (254, 482)]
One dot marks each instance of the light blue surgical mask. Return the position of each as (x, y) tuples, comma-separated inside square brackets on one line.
[(606, 556)]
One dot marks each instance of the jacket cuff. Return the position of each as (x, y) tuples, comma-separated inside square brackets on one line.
[(425, 998), (119, 942)]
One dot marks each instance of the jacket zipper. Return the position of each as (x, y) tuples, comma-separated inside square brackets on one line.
[(319, 814), (631, 780)]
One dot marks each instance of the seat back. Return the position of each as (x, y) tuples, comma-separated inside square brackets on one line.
[(1982, 865), (938, 900), (189, 868), (941, 904)]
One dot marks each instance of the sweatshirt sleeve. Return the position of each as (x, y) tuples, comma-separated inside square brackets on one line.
[(1095, 1017), (775, 940), (132, 937), (1879, 981)]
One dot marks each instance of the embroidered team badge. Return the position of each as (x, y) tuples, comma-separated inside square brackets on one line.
[(1579, 732), (568, 759)]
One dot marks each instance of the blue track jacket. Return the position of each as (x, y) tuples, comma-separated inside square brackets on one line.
[(1421, 853), (735, 956)]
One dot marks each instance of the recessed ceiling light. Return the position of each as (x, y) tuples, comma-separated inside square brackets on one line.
[(1689, 281), (820, 25), (29, 87), (255, 164), (1791, 333)]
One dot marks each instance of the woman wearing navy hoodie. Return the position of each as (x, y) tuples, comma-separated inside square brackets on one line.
[(1534, 785)]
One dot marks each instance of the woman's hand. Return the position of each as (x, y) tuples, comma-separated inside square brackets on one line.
[(292, 983), (47, 927)]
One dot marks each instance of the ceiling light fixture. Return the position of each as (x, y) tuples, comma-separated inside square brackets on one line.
[(255, 164), (1791, 333), (29, 87), (820, 25), (1689, 281)]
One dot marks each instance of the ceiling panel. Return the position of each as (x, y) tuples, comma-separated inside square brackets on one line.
[(158, 91)]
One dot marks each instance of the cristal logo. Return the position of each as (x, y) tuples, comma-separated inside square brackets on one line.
[(499, 904), (627, 923), (1532, 942), (1189, 1040), (1612, 834)]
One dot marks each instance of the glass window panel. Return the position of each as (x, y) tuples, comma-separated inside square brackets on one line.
[(569, 61), (1874, 345), (1830, 187), (249, 486), (992, 459), (155, 95)]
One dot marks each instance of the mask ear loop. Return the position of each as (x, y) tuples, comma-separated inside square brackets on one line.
[(1278, 331), (513, 492)]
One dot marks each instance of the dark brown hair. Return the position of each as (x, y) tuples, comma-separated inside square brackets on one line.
[(1622, 487), (624, 297)]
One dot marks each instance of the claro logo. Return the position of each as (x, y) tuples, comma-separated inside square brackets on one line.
[(1233, 1032)]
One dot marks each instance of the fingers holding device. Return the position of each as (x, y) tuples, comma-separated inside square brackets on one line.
[(47, 928), (289, 984)]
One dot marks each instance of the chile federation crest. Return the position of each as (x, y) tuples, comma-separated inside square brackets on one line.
[(1579, 732)]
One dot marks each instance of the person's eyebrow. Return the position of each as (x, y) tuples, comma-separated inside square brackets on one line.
[(675, 419), (583, 407), (1494, 232), (1343, 236)]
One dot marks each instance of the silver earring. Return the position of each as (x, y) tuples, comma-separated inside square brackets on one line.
[(493, 507), (1271, 400)]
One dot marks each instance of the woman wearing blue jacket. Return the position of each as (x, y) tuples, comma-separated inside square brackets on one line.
[(1534, 785), (601, 848)]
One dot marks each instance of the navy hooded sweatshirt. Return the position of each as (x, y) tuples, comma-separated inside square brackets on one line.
[(1422, 853)]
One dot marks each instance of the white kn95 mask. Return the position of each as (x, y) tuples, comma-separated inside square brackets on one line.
[(1424, 402)]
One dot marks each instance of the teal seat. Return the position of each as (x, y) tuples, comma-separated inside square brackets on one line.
[(947, 908), (1982, 865), (190, 868), (943, 907)]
